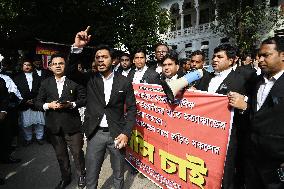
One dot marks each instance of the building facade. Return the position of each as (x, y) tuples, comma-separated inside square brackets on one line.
[(192, 28)]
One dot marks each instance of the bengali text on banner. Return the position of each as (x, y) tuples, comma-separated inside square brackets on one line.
[(180, 145)]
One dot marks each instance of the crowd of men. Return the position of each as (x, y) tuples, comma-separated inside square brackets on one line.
[(49, 101)]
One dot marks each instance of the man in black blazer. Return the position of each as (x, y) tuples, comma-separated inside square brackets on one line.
[(161, 50), (60, 98), (141, 73), (4, 101), (227, 82), (109, 116), (264, 167), (171, 68), (197, 61), (39, 70)]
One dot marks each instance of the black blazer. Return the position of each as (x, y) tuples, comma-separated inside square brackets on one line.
[(267, 122), (233, 82), (4, 96), (122, 98), (66, 119), (150, 76), (236, 83), (22, 85), (44, 74)]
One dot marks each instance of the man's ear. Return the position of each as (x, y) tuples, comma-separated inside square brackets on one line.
[(231, 60), (177, 67)]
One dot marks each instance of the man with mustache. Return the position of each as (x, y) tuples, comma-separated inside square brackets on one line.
[(226, 81), (264, 161), (60, 98)]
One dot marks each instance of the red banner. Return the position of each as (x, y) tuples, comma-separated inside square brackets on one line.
[(182, 145)]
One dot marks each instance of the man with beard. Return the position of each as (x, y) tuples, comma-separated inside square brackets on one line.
[(197, 61), (160, 51), (226, 81), (264, 165), (125, 64), (106, 126), (38, 67)]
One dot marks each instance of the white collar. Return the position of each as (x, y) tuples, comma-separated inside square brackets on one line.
[(110, 76), (61, 80), (275, 77), (224, 72), (141, 69)]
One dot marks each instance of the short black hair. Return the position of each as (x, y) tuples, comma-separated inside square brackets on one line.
[(171, 55), (104, 47), (161, 44), (183, 61), (229, 50), (198, 52), (37, 57), (125, 54), (139, 50), (277, 40), (57, 55)]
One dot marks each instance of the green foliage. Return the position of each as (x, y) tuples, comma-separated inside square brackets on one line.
[(246, 22), (130, 22), (141, 23)]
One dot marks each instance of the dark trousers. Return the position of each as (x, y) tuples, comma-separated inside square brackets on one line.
[(6, 137), (261, 174), (74, 141), (96, 149)]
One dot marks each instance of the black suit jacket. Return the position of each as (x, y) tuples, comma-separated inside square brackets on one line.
[(66, 119), (44, 74), (4, 96), (122, 100), (150, 76), (236, 83), (22, 85), (233, 82), (267, 123)]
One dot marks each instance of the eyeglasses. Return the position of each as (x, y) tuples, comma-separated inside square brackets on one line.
[(57, 64)]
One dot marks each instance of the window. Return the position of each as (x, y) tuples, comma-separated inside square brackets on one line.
[(224, 40), (187, 21), (174, 47), (204, 16), (187, 5), (188, 45), (206, 52)]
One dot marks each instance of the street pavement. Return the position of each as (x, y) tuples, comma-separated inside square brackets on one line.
[(39, 170)]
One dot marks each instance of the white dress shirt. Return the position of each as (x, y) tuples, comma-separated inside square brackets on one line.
[(171, 79), (38, 72), (217, 80), (11, 86), (139, 74), (265, 88), (60, 84), (29, 77), (159, 69), (125, 72), (108, 81)]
